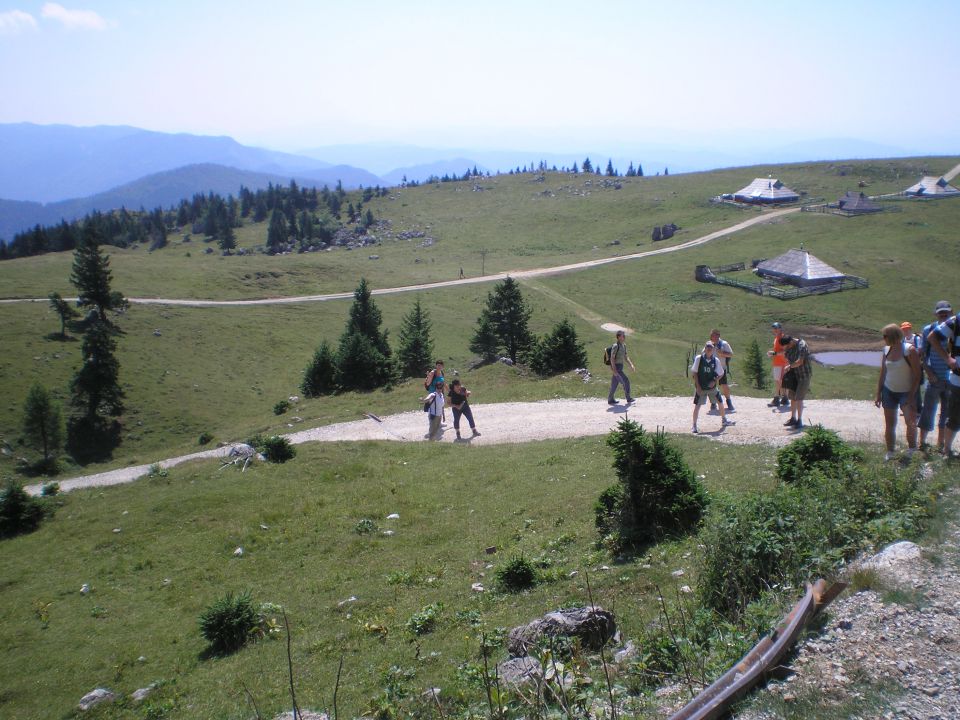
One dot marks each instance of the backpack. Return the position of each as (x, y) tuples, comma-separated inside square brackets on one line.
[(607, 352)]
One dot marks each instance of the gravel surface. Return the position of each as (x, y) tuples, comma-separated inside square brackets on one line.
[(754, 422)]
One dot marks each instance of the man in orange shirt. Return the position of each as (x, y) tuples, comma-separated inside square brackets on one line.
[(780, 363)]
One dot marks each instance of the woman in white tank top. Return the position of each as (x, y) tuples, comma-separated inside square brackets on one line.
[(897, 388)]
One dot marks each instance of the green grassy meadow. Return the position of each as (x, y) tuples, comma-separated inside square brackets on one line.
[(222, 369)]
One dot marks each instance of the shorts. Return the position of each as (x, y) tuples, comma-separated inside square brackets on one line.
[(953, 408), (701, 398), (723, 380), (891, 400), (778, 373), (803, 387)]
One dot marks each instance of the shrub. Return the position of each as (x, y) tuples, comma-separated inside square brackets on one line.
[(658, 495), (275, 448), (818, 449), (19, 511), (281, 407), (229, 623), (558, 352), (517, 574), (50, 489), (204, 438)]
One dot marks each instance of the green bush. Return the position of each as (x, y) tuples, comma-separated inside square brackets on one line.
[(818, 449), (658, 494), (204, 438), (558, 352), (19, 511), (517, 574), (229, 623), (275, 448), (281, 407)]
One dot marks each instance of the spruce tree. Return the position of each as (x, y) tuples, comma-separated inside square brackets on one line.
[(96, 397), (364, 359), (559, 351), (415, 353), (64, 310), (320, 377), (277, 233), (484, 341), (91, 275), (509, 316), (587, 165), (610, 171), (42, 423), (755, 366)]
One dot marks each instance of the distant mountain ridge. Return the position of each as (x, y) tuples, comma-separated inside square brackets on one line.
[(50, 163)]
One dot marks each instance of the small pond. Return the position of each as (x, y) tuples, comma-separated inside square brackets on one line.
[(870, 358)]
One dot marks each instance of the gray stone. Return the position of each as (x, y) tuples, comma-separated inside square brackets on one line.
[(593, 626), (95, 697), (519, 671), (143, 693)]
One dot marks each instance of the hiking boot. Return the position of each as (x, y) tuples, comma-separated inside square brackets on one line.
[(713, 409), (726, 423), (476, 433), (775, 402), (458, 435), (889, 455), (631, 400), (790, 423), (695, 431), (730, 407), (611, 402)]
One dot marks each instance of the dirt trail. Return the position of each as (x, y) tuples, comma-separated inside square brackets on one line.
[(855, 420)]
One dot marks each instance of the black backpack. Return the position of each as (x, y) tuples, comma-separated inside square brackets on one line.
[(607, 352)]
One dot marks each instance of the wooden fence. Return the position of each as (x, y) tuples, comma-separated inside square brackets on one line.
[(715, 275)]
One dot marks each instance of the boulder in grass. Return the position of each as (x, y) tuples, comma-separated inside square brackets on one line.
[(519, 671), (593, 626), (95, 697)]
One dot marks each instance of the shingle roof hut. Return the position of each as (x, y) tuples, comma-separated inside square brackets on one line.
[(857, 203), (799, 267), (929, 186), (766, 190)]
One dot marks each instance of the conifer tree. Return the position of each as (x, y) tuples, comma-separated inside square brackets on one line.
[(559, 351), (364, 359), (587, 165), (415, 352), (755, 366), (610, 171), (508, 315), (42, 423), (320, 377), (277, 233), (91, 275), (96, 397), (64, 310), (484, 341)]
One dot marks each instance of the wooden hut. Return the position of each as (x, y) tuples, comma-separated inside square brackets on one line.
[(856, 203)]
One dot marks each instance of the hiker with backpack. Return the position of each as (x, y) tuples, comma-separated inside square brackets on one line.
[(434, 378), (615, 356), (707, 371), (944, 342), (433, 405), (938, 380)]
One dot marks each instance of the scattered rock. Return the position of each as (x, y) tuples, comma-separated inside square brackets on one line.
[(594, 626), (84, 589), (519, 671), (143, 693), (238, 552), (95, 697)]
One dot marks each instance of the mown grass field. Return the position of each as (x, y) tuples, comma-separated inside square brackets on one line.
[(221, 370)]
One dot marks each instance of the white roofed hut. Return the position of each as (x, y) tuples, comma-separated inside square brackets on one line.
[(932, 187), (800, 268), (766, 191)]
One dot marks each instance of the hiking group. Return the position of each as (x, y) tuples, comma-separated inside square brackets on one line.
[(918, 376), (435, 402)]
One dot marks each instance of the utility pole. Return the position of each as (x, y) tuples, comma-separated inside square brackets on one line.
[(483, 262)]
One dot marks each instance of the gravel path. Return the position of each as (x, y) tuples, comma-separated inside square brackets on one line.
[(754, 422)]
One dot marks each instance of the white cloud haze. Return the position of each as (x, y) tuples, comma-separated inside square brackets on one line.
[(73, 19), (14, 21)]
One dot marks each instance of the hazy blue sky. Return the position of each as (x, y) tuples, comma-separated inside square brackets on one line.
[(551, 75)]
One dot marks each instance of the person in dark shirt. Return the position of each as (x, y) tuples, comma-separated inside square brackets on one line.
[(461, 406)]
